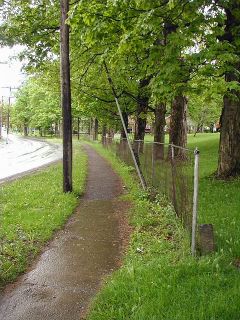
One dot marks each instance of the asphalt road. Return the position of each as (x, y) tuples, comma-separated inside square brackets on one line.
[(19, 155)]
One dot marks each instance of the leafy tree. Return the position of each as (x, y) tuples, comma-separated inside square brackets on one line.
[(205, 101), (33, 24), (22, 111), (157, 54), (37, 106)]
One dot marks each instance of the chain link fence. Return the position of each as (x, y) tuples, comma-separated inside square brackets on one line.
[(166, 168)]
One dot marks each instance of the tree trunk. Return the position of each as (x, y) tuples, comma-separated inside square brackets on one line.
[(66, 99), (25, 130), (229, 146), (178, 125), (110, 133), (125, 118), (140, 126), (95, 129), (56, 129), (159, 133), (89, 126), (104, 134)]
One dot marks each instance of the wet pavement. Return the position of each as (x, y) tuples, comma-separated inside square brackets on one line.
[(69, 272), (19, 155)]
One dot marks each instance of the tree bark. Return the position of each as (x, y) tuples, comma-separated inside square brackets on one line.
[(141, 113), (95, 129), (66, 99), (140, 125), (125, 118), (141, 116), (56, 129), (90, 128), (104, 134), (110, 133), (178, 125), (159, 133), (229, 146), (25, 130)]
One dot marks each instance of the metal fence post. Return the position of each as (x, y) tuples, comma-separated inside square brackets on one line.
[(195, 201)]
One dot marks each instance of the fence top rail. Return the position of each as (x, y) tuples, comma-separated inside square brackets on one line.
[(154, 142), (179, 147)]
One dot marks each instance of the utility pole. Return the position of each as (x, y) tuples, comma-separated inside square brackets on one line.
[(66, 99)]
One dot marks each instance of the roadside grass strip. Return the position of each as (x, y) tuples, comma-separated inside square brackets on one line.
[(159, 279), (31, 209)]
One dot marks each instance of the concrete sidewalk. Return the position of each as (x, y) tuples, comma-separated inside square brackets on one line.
[(69, 272)]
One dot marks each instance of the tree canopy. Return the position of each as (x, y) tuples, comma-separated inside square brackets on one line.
[(162, 55)]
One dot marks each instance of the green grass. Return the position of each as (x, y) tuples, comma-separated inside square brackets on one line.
[(219, 201), (159, 279), (31, 209)]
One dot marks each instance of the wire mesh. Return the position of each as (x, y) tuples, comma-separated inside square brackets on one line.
[(167, 168)]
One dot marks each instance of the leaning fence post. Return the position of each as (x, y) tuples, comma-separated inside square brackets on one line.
[(141, 178), (195, 200)]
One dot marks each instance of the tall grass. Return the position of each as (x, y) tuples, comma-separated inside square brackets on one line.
[(219, 201)]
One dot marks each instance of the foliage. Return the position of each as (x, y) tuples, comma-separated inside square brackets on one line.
[(38, 103), (205, 105), (155, 51), (33, 24)]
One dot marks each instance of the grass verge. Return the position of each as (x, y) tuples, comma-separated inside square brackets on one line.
[(159, 279), (219, 201), (31, 209)]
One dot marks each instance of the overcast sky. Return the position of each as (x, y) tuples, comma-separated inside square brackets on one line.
[(10, 73)]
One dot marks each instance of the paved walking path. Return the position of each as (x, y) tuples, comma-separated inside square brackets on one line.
[(68, 274)]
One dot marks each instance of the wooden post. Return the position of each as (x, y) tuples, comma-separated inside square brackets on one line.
[(66, 99)]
